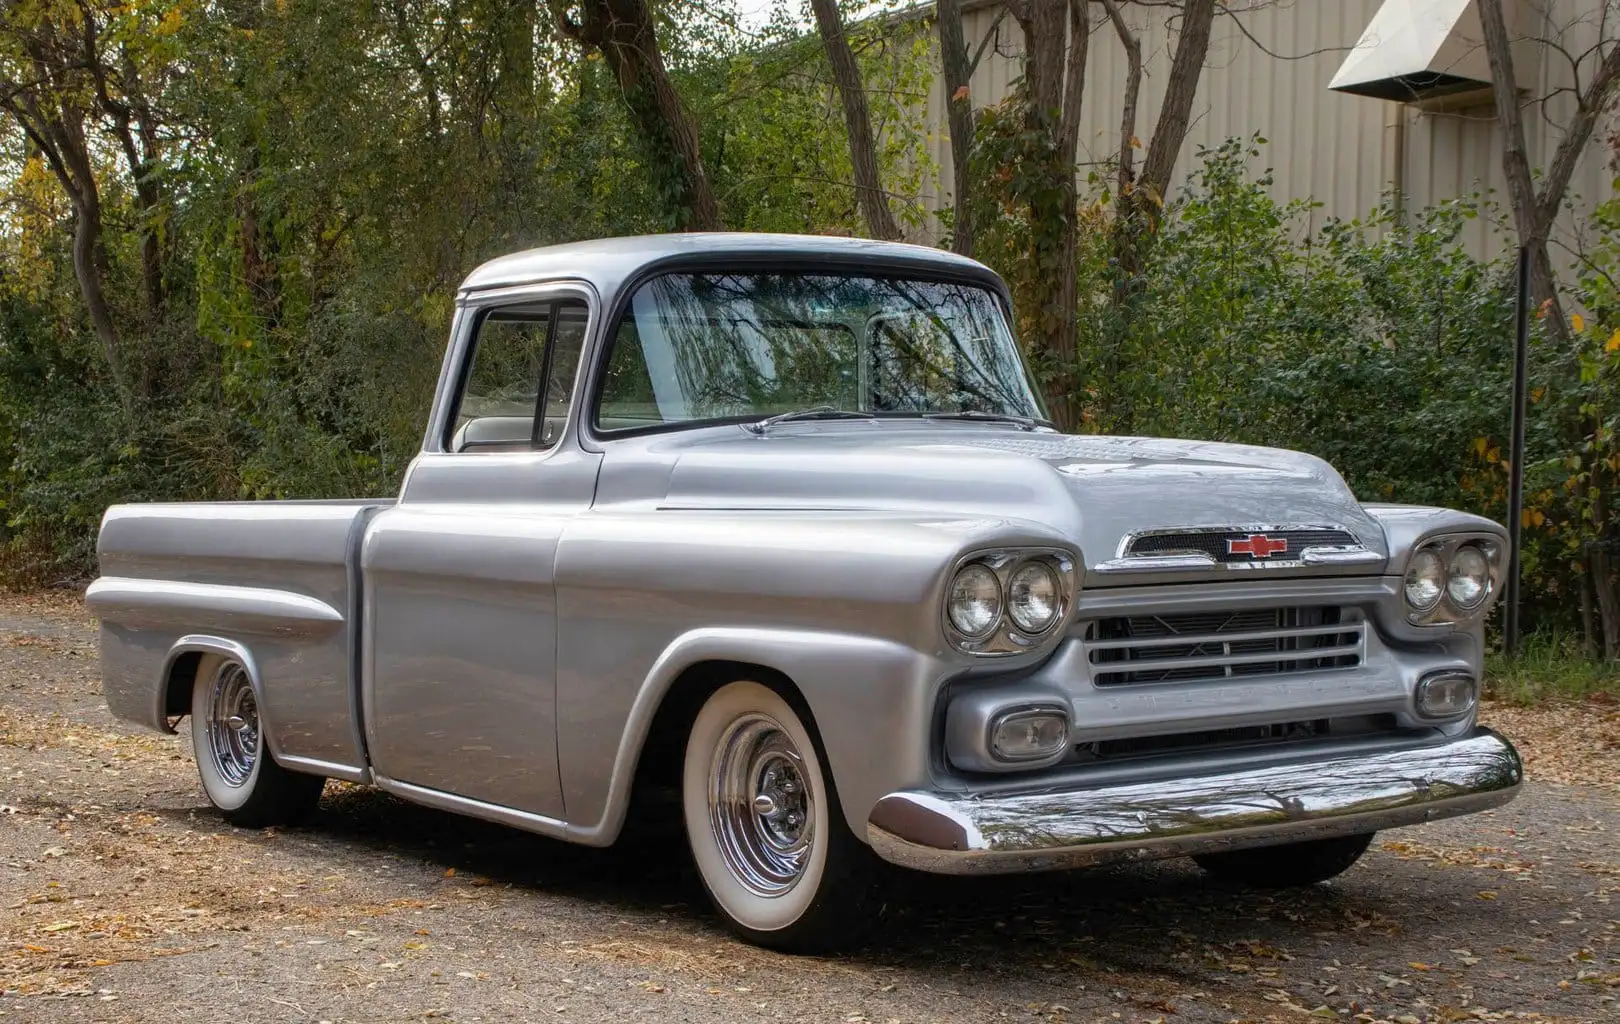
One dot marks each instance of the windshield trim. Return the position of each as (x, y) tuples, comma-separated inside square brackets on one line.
[(902, 269)]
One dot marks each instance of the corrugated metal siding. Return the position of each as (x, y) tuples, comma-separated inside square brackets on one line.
[(1329, 147)]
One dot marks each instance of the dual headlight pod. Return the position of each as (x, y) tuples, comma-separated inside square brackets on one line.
[(1005, 602), (1447, 580)]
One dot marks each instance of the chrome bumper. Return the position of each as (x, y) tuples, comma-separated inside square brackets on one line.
[(1076, 826)]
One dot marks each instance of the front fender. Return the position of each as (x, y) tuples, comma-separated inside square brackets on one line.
[(872, 701)]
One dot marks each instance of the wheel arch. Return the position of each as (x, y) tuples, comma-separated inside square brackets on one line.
[(814, 671), (181, 667)]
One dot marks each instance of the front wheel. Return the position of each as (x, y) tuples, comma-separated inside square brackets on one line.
[(1289, 866), (766, 832), (233, 755)]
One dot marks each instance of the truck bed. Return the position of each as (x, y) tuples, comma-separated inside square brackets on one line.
[(181, 580)]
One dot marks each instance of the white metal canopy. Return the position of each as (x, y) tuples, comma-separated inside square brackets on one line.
[(1417, 49)]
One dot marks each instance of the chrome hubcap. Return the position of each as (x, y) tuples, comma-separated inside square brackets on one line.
[(233, 725), (760, 807)]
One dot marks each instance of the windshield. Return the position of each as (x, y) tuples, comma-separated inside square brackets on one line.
[(697, 347)]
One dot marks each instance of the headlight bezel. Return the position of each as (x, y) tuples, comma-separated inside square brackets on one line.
[(1446, 611), (1007, 638)]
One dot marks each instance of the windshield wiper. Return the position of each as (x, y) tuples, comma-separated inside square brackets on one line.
[(819, 412), (1022, 422)]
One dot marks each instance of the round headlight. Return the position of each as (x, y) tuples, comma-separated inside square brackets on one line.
[(1468, 579), (1034, 597), (974, 605), (1425, 580)]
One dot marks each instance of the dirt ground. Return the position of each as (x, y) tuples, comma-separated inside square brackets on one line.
[(124, 898)]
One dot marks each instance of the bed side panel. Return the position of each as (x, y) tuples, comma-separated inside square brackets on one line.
[(274, 577)]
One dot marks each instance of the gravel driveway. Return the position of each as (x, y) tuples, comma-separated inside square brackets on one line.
[(125, 898)]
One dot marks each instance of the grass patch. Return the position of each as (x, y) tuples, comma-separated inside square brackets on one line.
[(1549, 668)]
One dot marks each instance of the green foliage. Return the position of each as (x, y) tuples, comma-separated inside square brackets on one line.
[(1380, 345), (1552, 666), (327, 174)]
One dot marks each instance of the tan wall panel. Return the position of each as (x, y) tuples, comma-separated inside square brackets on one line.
[(1336, 149)]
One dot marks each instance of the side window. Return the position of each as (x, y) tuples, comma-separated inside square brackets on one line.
[(502, 405)]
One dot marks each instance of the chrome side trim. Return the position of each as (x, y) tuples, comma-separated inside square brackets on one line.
[(326, 769), (1157, 563), (1340, 556), (1049, 829), (442, 801), (157, 603)]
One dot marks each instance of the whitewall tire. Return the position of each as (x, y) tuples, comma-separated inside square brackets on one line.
[(233, 755), (764, 825)]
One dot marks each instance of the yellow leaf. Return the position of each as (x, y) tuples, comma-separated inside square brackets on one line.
[(449, 872), (1613, 342), (61, 926), (1136, 143), (1480, 444), (1578, 322), (1538, 517), (1487, 894), (960, 94), (1417, 966)]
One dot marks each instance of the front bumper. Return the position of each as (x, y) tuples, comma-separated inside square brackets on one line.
[(1075, 825)]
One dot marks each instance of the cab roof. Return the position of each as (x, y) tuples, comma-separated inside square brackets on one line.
[(608, 262)]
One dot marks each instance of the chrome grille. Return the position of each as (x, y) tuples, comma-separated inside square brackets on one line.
[(1222, 644), (1215, 543)]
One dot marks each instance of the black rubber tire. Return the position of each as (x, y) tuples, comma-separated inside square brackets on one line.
[(837, 913), (1289, 866), (270, 795)]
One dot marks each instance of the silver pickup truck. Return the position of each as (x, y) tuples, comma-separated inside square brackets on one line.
[(775, 526)]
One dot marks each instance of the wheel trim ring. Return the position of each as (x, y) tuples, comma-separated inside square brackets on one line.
[(767, 853), (233, 725)]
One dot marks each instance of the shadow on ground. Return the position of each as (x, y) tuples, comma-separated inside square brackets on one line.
[(1160, 917)]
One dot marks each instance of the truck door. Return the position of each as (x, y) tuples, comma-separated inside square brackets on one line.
[(458, 675)]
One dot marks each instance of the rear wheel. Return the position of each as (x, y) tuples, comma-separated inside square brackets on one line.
[(1289, 866), (233, 756), (766, 832)]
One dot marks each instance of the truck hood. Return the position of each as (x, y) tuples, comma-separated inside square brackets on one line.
[(1093, 490)]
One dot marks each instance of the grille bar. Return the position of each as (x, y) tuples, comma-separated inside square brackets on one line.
[(1219, 645), (1227, 638)]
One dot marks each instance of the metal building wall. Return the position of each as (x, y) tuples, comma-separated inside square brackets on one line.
[(1335, 149)]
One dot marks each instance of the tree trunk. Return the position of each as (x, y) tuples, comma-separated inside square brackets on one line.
[(1588, 632), (1175, 114), (1608, 606), (1127, 121), (1056, 36), (1534, 213), (624, 33), (869, 194), (59, 135), (90, 269), (959, 109)]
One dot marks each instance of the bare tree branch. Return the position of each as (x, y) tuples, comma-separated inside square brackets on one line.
[(1133, 89), (880, 222)]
